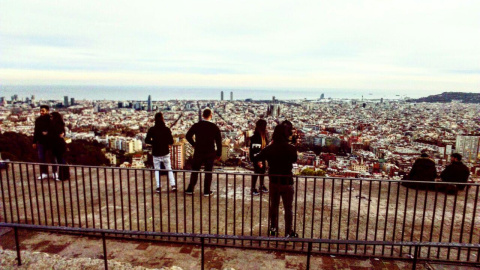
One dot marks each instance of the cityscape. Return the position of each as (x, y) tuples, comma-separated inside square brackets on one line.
[(357, 138)]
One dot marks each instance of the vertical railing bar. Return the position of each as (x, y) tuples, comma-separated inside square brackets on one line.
[(99, 194), (304, 209), (415, 257), (340, 214), (368, 214), (168, 204), (23, 193), (309, 253), (423, 216), (442, 222), (413, 219), (200, 199), (203, 252), (314, 201), (226, 206), (29, 192), (234, 206), (160, 202), (121, 195), (43, 199), (10, 204), (17, 246), (56, 200), (65, 216), (184, 208), (84, 184), (386, 216), (395, 217), (91, 196), (331, 213), (78, 199), (36, 195), (358, 215), (322, 209), (433, 219), (71, 199), (243, 207), (4, 204), (16, 195), (377, 214), (473, 223), (106, 197), (404, 219), (130, 199), (460, 240), (144, 191), (49, 200), (452, 224), (114, 198), (218, 205), (104, 251), (176, 202), (152, 197), (348, 212)]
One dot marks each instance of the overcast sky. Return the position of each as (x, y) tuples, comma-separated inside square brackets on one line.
[(379, 45)]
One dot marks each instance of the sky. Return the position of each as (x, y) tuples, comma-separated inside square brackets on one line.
[(409, 46)]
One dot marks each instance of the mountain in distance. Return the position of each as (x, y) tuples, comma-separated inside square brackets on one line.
[(449, 97)]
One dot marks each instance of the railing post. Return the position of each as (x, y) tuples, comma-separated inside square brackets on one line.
[(203, 252), (309, 254), (104, 251), (415, 258), (17, 245)]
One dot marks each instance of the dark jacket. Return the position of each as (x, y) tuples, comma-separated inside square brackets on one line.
[(56, 142), (160, 137), (280, 157), (256, 145), (423, 170), (207, 135), (455, 172), (42, 124)]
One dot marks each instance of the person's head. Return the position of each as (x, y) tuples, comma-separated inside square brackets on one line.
[(261, 127), (159, 121), (279, 134), (44, 109), (56, 117), (207, 114), (424, 155), (288, 127), (456, 157)]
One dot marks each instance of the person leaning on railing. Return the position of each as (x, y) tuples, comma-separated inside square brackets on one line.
[(280, 156)]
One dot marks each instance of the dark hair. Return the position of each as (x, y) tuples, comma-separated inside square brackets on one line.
[(279, 134), (288, 127), (261, 127), (206, 113), (57, 119), (159, 121), (457, 156), (45, 107), (424, 155)]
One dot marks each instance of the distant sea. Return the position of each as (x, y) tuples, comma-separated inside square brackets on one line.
[(80, 92)]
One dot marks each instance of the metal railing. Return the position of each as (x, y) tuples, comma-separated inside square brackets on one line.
[(355, 214)]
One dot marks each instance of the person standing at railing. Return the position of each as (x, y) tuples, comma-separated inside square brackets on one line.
[(280, 156), (258, 142), (207, 136), (160, 137), (40, 139), (58, 146)]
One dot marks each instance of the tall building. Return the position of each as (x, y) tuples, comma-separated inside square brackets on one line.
[(231, 96), (322, 96), (468, 146), (65, 101), (149, 103), (72, 101), (221, 96), (177, 155)]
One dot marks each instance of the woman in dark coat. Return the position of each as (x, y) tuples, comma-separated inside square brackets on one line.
[(258, 141), (58, 145)]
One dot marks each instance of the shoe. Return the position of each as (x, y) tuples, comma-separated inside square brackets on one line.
[(55, 177), (208, 194), (292, 235), (43, 176), (255, 192), (272, 232), (264, 189), (157, 190), (188, 192), (173, 188)]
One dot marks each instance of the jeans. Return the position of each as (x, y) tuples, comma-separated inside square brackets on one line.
[(42, 156), (286, 192), (196, 165), (168, 166), (258, 170)]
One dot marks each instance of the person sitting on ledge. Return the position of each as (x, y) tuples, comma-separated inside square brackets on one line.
[(456, 172), (422, 170)]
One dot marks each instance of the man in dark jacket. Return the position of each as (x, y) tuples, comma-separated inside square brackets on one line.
[(41, 138), (207, 136), (160, 137), (280, 156), (422, 170), (456, 172)]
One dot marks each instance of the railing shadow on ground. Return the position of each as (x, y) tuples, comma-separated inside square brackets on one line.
[(353, 212)]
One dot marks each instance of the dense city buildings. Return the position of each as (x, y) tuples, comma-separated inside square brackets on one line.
[(369, 138)]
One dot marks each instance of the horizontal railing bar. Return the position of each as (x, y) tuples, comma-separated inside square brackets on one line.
[(233, 237)]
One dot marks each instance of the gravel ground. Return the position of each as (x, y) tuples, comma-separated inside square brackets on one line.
[(41, 260)]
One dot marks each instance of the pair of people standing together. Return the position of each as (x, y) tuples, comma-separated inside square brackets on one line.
[(48, 138)]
